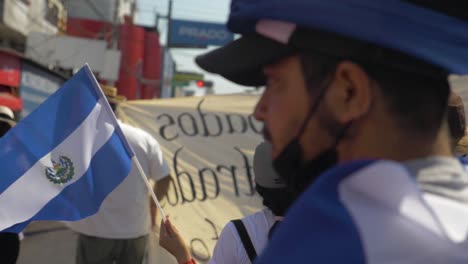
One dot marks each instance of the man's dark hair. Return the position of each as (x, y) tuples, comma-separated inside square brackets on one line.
[(418, 102), (278, 200)]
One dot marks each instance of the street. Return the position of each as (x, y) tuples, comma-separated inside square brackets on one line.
[(47, 242), (53, 243)]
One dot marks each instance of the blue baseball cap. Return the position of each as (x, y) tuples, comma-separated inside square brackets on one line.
[(420, 38)]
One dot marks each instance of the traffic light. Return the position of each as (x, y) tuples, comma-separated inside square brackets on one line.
[(200, 84), (204, 84)]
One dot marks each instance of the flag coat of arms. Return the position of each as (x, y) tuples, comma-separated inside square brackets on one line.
[(62, 160)]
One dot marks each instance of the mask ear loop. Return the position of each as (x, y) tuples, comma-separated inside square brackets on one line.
[(313, 109)]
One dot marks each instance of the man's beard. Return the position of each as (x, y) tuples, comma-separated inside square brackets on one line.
[(266, 134)]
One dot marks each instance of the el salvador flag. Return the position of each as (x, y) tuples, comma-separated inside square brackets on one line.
[(62, 160)]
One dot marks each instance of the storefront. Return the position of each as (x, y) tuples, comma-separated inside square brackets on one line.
[(10, 74), (25, 84), (37, 83)]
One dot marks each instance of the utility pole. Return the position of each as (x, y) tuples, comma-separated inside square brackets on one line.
[(133, 10), (114, 37), (168, 30), (115, 26), (169, 22), (156, 20)]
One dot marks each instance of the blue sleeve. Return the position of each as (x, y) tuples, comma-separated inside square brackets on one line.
[(318, 228)]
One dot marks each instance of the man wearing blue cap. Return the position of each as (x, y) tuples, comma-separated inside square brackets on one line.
[(356, 106)]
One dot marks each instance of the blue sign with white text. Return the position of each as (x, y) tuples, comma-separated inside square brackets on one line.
[(198, 34)]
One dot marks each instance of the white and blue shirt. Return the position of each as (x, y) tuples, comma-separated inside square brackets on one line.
[(378, 212)]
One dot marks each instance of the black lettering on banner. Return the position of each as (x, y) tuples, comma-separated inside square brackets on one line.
[(201, 173), (179, 175), (252, 125), (206, 131), (229, 118), (231, 169), (216, 237), (248, 172), (162, 129), (196, 245), (176, 194), (182, 124)]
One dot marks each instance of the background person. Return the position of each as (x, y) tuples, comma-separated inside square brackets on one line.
[(242, 240), (119, 231)]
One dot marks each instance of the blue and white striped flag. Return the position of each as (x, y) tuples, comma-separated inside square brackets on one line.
[(61, 161)]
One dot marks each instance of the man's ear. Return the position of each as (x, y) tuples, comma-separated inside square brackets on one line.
[(350, 93)]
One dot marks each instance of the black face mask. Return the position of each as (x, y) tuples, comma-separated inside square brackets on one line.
[(278, 200), (299, 174), (290, 165)]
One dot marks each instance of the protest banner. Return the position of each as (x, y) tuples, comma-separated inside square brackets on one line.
[(209, 144)]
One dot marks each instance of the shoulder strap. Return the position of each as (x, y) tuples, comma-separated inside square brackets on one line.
[(245, 238)]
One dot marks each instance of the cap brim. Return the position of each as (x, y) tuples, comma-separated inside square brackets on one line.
[(242, 60)]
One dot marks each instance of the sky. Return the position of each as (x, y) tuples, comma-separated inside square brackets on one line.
[(198, 10)]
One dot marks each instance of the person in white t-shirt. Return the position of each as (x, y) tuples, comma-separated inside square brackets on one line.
[(242, 240), (231, 248), (120, 230)]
